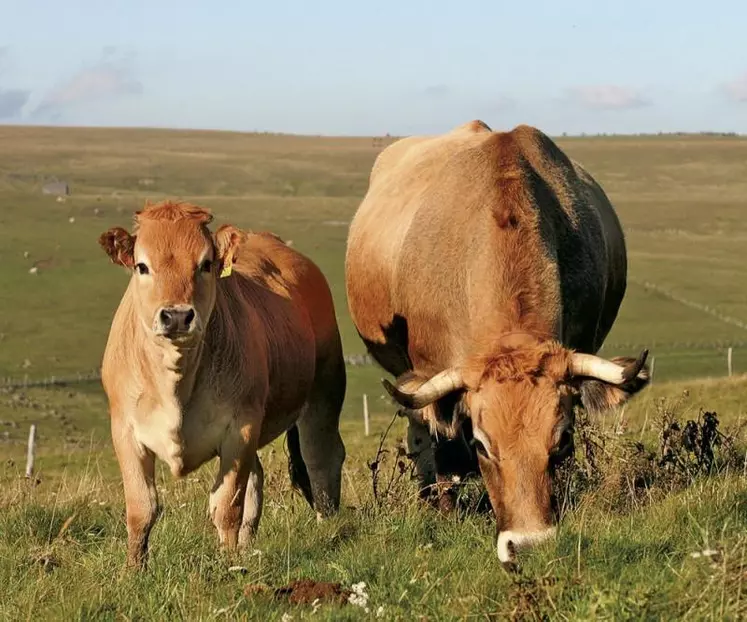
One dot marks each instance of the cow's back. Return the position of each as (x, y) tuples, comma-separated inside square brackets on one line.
[(291, 313), (458, 230), (303, 279)]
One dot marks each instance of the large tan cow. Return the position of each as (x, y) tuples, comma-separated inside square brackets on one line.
[(484, 270), (221, 343)]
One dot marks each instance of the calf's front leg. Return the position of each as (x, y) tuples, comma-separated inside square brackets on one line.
[(137, 465), (252, 503), (237, 486)]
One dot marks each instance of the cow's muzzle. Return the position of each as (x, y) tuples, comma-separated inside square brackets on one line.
[(511, 542), (175, 321)]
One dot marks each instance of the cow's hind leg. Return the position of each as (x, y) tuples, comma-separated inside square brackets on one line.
[(299, 475), (320, 443)]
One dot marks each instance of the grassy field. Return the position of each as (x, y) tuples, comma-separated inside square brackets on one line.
[(618, 555)]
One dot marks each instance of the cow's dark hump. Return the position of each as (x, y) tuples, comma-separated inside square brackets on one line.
[(507, 159)]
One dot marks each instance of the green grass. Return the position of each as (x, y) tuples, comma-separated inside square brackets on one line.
[(681, 203), (634, 562)]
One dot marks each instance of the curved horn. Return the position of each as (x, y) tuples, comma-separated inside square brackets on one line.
[(439, 385), (607, 371)]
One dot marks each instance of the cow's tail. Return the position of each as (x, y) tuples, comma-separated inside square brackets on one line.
[(299, 476)]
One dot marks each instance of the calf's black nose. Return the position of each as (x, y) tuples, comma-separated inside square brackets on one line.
[(176, 320)]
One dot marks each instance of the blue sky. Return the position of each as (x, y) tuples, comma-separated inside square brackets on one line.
[(334, 67)]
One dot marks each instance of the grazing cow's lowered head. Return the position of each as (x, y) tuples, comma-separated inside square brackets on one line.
[(176, 262), (520, 400)]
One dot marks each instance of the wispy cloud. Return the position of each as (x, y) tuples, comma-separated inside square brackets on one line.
[(111, 77), (12, 102), (608, 97), (500, 103), (736, 90), (437, 91)]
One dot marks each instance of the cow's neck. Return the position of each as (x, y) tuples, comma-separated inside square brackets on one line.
[(174, 369)]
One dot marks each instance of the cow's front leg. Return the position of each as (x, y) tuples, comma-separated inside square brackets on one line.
[(137, 465), (420, 450), (238, 464)]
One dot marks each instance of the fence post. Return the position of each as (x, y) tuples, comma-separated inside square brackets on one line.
[(30, 451), (365, 414), (651, 373), (728, 360)]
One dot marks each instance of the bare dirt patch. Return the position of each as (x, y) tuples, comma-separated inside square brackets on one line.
[(303, 592)]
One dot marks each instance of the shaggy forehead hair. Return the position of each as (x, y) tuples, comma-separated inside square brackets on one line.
[(517, 359), (173, 211)]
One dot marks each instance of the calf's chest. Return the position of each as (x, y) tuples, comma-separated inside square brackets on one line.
[(185, 437)]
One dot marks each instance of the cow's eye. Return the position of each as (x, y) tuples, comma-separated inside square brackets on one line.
[(480, 448), (566, 439), (141, 268), (206, 266), (565, 445)]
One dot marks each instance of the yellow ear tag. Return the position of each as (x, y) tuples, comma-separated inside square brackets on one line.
[(227, 269)]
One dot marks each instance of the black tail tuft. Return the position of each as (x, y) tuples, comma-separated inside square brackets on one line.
[(299, 476)]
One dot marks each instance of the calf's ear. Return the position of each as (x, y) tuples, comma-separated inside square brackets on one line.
[(227, 241), (119, 245)]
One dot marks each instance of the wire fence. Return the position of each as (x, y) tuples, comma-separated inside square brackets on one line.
[(667, 361), (27, 382), (51, 381)]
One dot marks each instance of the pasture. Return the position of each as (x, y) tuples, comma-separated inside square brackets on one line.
[(624, 548)]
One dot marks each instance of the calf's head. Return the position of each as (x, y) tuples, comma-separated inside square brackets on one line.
[(520, 400), (175, 263)]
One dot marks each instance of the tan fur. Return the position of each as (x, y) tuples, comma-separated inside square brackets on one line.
[(493, 253), (265, 355)]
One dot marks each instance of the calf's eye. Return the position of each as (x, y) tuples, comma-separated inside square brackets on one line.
[(206, 266), (141, 268)]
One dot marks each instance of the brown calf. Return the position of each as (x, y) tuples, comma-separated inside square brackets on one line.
[(221, 343)]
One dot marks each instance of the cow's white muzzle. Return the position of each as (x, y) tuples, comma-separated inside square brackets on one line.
[(510, 542)]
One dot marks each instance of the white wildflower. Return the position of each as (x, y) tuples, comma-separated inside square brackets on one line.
[(359, 597), (705, 553), (380, 611), (286, 617)]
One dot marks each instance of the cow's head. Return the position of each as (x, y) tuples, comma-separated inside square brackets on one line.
[(520, 400), (175, 263)]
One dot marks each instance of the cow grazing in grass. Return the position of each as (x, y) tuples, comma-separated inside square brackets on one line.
[(484, 270), (221, 343)]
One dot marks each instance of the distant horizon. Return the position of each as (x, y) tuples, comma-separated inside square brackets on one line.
[(553, 135)]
